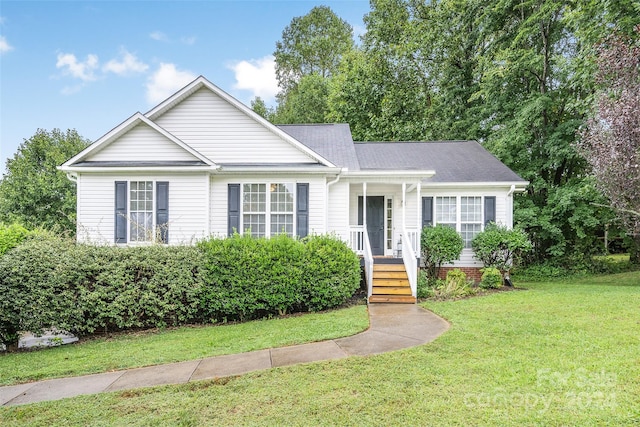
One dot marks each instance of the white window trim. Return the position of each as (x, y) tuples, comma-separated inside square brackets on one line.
[(459, 212), (152, 240)]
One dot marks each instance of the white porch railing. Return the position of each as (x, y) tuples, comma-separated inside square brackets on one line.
[(410, 261), (356, 239), (368, 264), (414, 237)]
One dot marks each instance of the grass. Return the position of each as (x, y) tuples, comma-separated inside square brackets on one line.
[(558, 353), (147, 348)]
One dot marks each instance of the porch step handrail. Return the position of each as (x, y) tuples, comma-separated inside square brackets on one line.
[(368, 264), (410, 261)]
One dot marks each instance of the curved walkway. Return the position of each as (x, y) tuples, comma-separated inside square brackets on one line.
[(392, 327)]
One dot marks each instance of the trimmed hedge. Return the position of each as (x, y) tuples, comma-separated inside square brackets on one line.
[(247, 278), (51, 282), (11, 236)]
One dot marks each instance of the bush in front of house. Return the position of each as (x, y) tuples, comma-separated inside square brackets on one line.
[(454, 286), (331, 273), (439, 245), (491, 278), (39, 282), (500, 247), (246, 278), (140, 287), (51, 282)]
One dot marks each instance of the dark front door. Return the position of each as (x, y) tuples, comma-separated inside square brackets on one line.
[(375, 224)]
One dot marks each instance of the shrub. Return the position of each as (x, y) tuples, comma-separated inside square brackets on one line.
[(247, 278), (38, 282), (51, 282), (454, 286), (425, 286), (140, 287), (499, 247), (11, 236), (440, 245), (331, 272), (491, 278)]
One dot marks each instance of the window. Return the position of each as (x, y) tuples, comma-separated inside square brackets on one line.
[(258, 216), (281, 209), (254, 207), (141, 211), (464, 214), (470, 218), (446, 208)]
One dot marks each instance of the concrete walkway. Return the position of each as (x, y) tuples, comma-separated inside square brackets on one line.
[(392, 327)]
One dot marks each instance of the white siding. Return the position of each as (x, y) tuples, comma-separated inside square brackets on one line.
[(142, 143), (219, 198), (223, 133), (338, 215), (187, 206)]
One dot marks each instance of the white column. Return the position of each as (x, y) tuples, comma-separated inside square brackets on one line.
[(364, 205), (404, 204), (418, 217)]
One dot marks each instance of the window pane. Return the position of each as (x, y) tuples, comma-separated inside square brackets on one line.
[(254, 224), (446, 210), (468, 232), (471, 209), (141, 211), (281, 197), (282, 224)]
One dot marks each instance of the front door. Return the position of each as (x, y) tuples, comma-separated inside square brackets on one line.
[(375, 224)]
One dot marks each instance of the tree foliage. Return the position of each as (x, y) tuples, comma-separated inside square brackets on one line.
[(307, 57), (611, 139), (32, 191)]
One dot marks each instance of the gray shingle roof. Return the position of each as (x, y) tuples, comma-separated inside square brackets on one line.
[(331, 141), (453, 161)]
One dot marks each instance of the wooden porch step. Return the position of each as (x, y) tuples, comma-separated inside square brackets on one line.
[(391, 290), (388, 267), (390, 282), (393, 299), (389, 275)]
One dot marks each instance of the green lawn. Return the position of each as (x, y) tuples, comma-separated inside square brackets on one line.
[(174, 345), (565, 353)]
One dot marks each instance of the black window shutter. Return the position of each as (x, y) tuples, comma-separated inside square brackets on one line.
[(360, 213), (162, 210), (489, 210), (302, 209), (233, 209), (427, 212), (120, 214)]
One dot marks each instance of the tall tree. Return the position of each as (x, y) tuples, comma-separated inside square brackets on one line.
[(32, 191), (307, 57), (611, 139)]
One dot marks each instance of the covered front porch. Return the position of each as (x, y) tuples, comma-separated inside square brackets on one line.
[(385, 221)]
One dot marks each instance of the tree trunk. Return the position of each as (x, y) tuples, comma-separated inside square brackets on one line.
[(634, 250)]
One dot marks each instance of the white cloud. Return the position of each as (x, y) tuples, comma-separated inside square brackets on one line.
[(128, 65), (80, 70), (159, 36), (165, 81), (188, 40), (4, 45), (257, 76)]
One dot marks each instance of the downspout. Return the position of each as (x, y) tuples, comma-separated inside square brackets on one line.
[(510, 199), (326, 201)]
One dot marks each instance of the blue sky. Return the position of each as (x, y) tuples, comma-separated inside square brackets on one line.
[(89, 65)]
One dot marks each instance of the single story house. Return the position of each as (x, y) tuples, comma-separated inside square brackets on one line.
[(202, 163)]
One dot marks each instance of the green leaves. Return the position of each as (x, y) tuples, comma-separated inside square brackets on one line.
[(499, 247), (440, 245), (32, 191)]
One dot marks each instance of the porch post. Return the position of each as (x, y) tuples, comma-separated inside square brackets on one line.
[(418, 216), (364, 206), (404, 204)]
